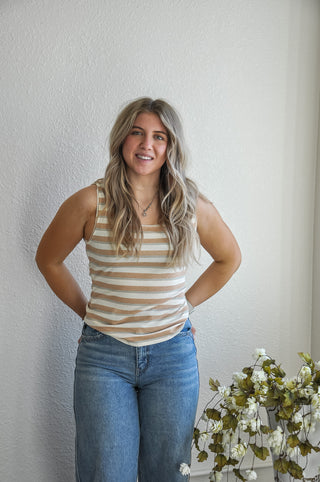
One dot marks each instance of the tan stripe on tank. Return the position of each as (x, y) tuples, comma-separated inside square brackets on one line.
[(158, 305), (137, 321), (140, 301), (108, 239), (135, 275), (142, 254), (123, 263), (138, 289), (130, 318)]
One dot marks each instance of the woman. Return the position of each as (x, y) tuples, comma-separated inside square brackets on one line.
[(136, 376)]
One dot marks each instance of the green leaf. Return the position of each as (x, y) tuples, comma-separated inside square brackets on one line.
[(260, 452), (271, 401), (214, 384), (295, 470), (220, 460), (246, 384), (268, 362), (196, 433), (284, 413), (288, 399), (305, 357), (213, 414), (232, 461), (241, 399), (293, 440), (305, 448), (217, 437), (267, 369), (265, 429), (217, 448), (202, 456), (281, 465), (293, 427), (238, 474), (278, 372), (229, 421)]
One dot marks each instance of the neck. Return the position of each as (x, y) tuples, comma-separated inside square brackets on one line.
[(144, 185)]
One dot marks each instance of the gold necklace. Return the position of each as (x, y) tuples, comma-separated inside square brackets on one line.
[(144, 211)]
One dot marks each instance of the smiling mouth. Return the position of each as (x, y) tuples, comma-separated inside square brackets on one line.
[(144, 158)]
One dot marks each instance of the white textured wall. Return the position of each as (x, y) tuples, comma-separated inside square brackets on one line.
[(245, 76), (315, 345)]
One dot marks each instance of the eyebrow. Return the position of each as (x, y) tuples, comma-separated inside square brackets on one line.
[(160, 132)]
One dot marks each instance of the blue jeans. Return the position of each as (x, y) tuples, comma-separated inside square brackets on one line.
[(134, 408)]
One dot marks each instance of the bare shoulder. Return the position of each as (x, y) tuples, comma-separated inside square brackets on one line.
[(83, 201), (206, 213), (215, 236), (67, 227)]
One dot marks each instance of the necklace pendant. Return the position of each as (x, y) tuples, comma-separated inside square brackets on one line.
[(144, 213)]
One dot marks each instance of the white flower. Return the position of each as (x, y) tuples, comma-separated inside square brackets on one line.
[(306, 391), (258, 376), (224, 391), (255, 425), (238, 451), (251, 474), (231, 402), (277, 440), (184, 469), (291, 383), (292, 452), (259, 353), (243, 424), (252, 408), (315, 400), (238, 376), (216, 476), (204, 436), (297, 418), (305, 372), (215, 426)]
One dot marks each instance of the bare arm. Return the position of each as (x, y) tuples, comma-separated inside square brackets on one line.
[(68, 227), (219, 242)]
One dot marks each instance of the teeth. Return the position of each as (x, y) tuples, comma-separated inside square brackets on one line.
[(145, 158)]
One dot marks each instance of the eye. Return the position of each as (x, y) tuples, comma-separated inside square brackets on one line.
[(135, 133), (159, 137)]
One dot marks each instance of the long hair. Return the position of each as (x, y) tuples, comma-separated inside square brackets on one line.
[(178, 194)]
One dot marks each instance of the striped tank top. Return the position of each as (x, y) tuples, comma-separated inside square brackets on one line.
[(137, 300)]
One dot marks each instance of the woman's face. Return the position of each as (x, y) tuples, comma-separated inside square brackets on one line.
[(145, 147)]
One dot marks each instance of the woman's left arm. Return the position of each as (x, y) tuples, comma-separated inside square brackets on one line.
[(219, 242)]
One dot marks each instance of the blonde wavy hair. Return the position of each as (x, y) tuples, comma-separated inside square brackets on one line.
[(178, 195)]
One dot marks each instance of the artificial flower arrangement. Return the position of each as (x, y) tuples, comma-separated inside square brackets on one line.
[(231, 424)]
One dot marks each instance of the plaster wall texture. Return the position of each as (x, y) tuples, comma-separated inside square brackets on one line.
[(245, 77), (315, 345)]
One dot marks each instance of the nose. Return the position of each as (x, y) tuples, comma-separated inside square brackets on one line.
[(146, 142)]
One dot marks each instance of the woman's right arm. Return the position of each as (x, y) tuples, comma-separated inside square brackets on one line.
[(68, 227)]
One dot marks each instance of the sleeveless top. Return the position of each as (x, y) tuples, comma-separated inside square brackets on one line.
[(137, 300)]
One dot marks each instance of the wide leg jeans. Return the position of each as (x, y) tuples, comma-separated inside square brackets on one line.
[(134, 408)]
